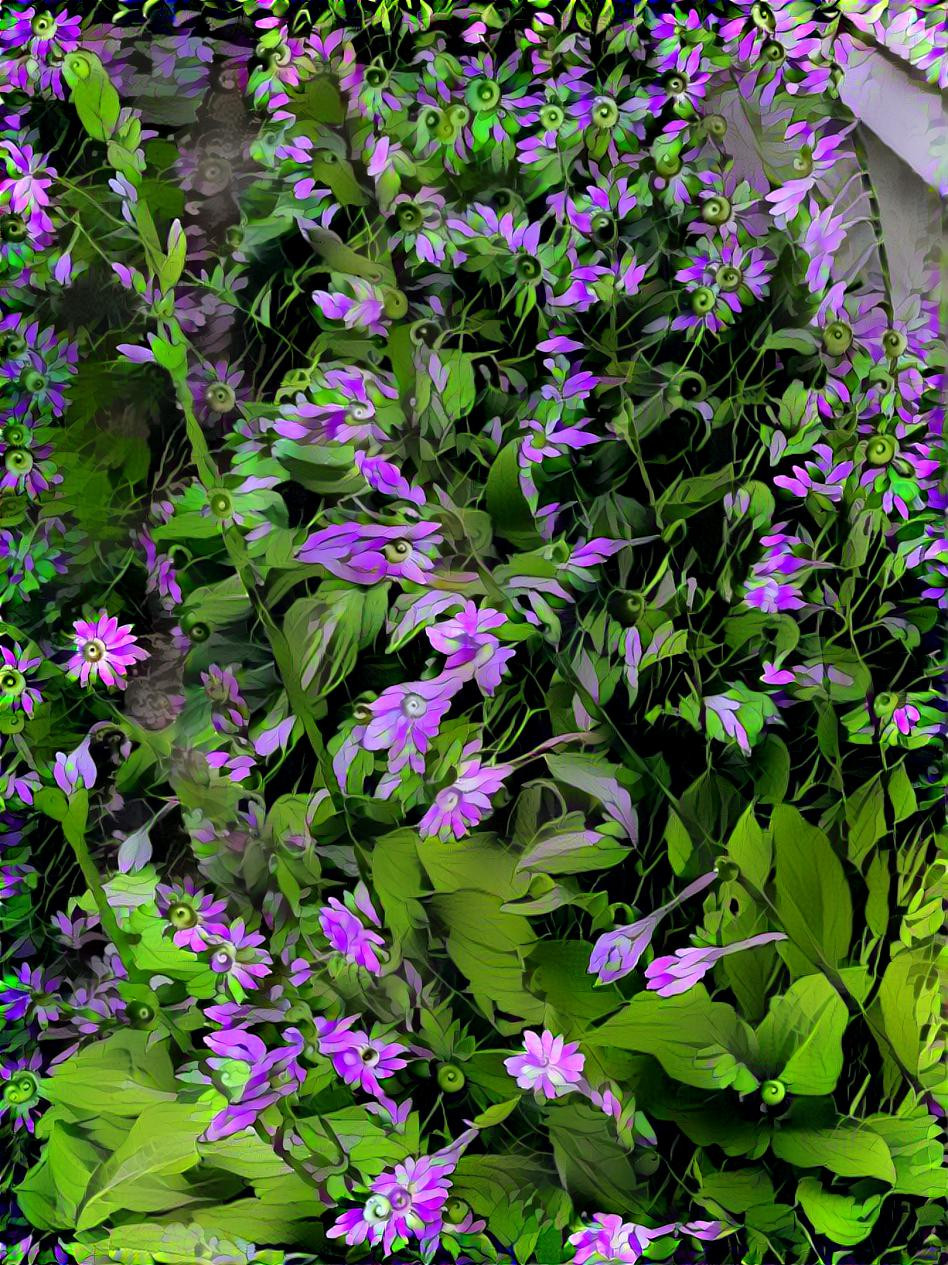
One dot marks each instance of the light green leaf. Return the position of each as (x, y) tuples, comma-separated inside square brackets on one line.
[(865, 818), (849, 1149), (841, 1218), (750, 849), (901, 793), (812, 895), (495, 1114), (801, 1037)]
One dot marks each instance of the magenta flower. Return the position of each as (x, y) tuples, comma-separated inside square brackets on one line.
[(75, 769), (610, 1239), (405, 718), (366, 553), (406, 1203), (193, 916), (359, 1059), (104, 651), (683, 969), (549, 1065), (349, 936), (17, 693), (470, 646), (253, 1077), (460, 807), (238, 958)]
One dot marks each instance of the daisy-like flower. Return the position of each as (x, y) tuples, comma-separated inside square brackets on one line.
[(17, 693), (193, 916), (471, 647), (683, 83), (19, 1091), (104, 651), (237, 957), (31, 994), (406, 1203), (25, 188), (358, 1058), (549, 1065), (460, 807), (405, 718)]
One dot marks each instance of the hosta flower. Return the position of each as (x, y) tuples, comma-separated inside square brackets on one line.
[(105, 650), (17, 691), (684, 968), (367, 554), (549, 1065)]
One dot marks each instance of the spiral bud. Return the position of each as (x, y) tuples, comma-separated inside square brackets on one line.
[(450, 1078)]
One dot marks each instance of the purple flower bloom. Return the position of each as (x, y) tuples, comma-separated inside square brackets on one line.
[(238, 958), (349, 936), (193, 915), (405, 718), (385, 477), (460, 807), (612, 1241), (104, 650), (19, 1091), (683, 969), (17, 693), (471, 648), (358, 1058), (406, 1203), (253, 1077), (229, 710), (366, 553), (75, 769), (30, 992), (549, 1065)]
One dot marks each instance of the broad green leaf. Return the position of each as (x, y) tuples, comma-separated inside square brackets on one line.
[(121, 1074), (697, 1041), (496, 1114), (96, 101), (841, 1218), (506, 503), (865, 818), (906, 1000), (750, 849), (161, 1142), (812, 896), (801, 1037), (901, 793), (848, 1149)]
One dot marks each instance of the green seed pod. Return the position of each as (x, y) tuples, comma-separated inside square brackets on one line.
[(140, 1014), (450, 1078), (12, 683), (16, 434), (762, 15), (667, 163), (605, 113), (220, 397), (394, 303), (410, 217), (774, 52), (884, 704), (729, 278), (21, 1089), (396, 551), (716, 126), (376, 76), (12, 228), (181, 915), (33, 381), (675, 83), (43, 25), (483, 95), (551, 118), (12, 345)]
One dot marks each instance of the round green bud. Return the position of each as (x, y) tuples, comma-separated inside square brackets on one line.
[(837, 338), (762, 15), (716, 210), (220, 502), (603, 228), (182, 915), (675, 83), (450, 1078), (455, 1210), (394, 303), (12, 228), (729, 278), (716, 126), (410, 217), (33, 381), (667, 163), (483, 95), (605, 113), (894, 343), (626, 607), (78, 66), (802, 162), (881, 449), (43, 25), (772, 1093), (12, 682), (551, 118), (220, 397), (377, 1210), (647, 1162), (884, 704), (702, 300), (12, 345), (529, 269), (140, 1014), (18, 461), (396, 551), (16, 434), (22, 1088), (459, 115), (376, 76), (774, 52), (424, 333)]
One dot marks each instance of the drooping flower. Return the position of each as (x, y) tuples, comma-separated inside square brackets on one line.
[(365, 553), (104, 651), (681, 970), (617, 952), (348, 935), (549, 1065)]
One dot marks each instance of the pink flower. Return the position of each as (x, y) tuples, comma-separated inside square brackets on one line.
[(104, 651), (683, 969), (349, 936), (548, 1066), (405, 718), (463, 804)]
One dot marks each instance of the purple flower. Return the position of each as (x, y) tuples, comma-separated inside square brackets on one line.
[(358, 1058), (29, 992), (253, 1077), (19, 1091), (460, 807), (406, 1203), (467, 641), (612, 1241), (76, 769), (238, 958), (349, 936), (17, 693), (405, 718), (683, 969), (366, 553), (385, 477), (617, 952), (229, 712), (193, 916), (549, 1065), (162, 578), (104, 650)]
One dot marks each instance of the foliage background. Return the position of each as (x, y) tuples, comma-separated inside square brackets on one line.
[(258, 281)]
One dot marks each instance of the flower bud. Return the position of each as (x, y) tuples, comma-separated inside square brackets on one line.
[(772, 1093), (450, 1078)]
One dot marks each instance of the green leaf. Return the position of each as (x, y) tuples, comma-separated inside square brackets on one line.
[(593, 1166), (495, 1114), (162, 1142), (698, 1041), (799, 340), (750, 849), (173, 264), (812, 896), (506, 503), (901, 793), (848, 1149), (121, 1075), (906, 999), (841, 1218), (96, 101), (878, 880), (865, 818), (399, 882), (801, 1037)]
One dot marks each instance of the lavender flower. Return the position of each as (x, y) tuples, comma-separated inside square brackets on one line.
[(471, 648), (617, 952), (358, 1058), (683, 969), (17, 691), (549, 1065), (348, 935), (405, 718), (368, 554), (406, 1203), (460, 807)]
